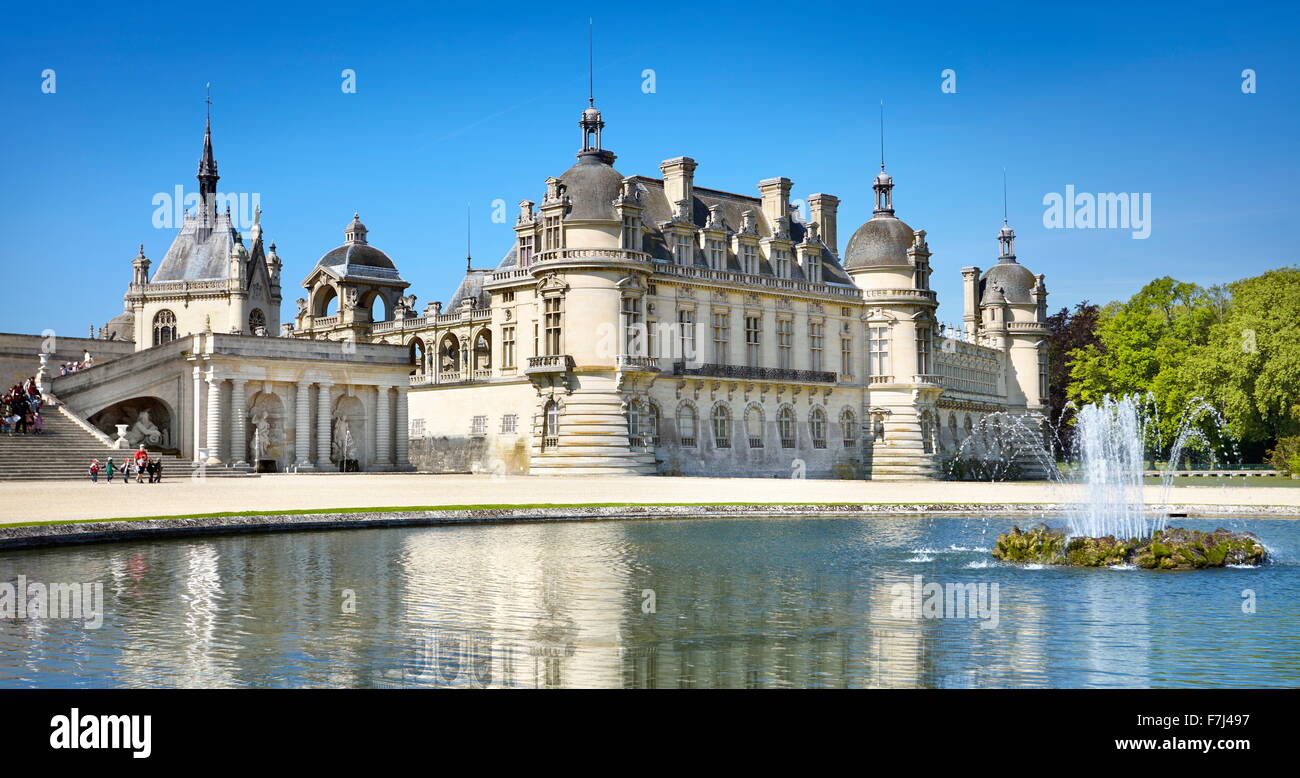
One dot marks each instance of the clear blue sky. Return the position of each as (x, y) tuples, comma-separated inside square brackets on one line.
[(473, 102)]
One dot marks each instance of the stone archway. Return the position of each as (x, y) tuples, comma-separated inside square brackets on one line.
[(148, 420), (348, 434), (267, 442)]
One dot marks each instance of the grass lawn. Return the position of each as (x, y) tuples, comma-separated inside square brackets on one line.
[(1264, 480)]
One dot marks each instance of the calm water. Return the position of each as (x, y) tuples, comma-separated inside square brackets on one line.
[(720, 603)]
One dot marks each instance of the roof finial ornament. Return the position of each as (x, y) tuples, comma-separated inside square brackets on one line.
[(884, 184), (591, 90), (882, 136), (591, 123), (468, 243), (1006, 235)]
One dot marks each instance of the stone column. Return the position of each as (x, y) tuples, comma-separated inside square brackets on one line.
[(214, 417), (238, 423), (302, 426), (383, 428), (198, 412), (403, 431), (323, 425)]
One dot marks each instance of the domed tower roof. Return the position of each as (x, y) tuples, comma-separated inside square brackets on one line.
[(884, 239), (1015, 281), (592, 186), (355, 250)]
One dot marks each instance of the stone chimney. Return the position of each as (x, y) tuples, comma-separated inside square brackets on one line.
[(679, 179), (821, 210), (776, 199)]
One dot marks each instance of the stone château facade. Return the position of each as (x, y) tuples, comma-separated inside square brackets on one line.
[(638, 325)]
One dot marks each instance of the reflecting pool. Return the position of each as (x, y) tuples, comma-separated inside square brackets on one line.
[(789, 602)]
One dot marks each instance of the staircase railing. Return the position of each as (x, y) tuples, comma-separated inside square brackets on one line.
[(77, 418)]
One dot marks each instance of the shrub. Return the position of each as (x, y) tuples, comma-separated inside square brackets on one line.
[(1285, 456)]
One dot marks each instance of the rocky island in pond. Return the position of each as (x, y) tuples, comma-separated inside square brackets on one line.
[(1167, 549)]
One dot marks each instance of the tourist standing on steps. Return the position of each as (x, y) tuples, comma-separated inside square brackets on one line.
[(141, 461), (126, 470), (94, 471), (157, 470)]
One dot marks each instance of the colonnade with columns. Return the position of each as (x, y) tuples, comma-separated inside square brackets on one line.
[(221, 426)]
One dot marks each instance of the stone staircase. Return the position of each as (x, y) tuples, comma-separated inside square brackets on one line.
[(64, 449)]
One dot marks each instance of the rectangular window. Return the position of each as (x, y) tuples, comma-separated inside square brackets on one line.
[(525, 250), (686, 334), (753, 331), (814, 267), (923, 351), (631, 233), (815, 330), (721, 336), (478, 426), (749, 259), (507, 346), (781, 258), (878, 355), (683, 250), (554, 233), (633, 336), (536, 341), (553, 319), (717, 255), (509, 423), (784, 340), (846, 356)]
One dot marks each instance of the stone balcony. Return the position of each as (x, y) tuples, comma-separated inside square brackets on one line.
[(748, 373), (549, 363)]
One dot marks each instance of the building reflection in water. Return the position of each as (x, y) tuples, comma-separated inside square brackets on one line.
[(746, 603)]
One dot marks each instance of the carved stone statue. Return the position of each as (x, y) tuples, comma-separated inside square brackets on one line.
[(302, 305), (144, 431)]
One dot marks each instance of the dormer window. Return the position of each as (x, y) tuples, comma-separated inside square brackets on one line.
[(631, 234), (749, 258), (683, 250), (781, 259)]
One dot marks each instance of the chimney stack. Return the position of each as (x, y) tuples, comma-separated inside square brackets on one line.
[(822, 209)]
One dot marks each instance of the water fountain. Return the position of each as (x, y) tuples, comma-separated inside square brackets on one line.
[(1112, 524)]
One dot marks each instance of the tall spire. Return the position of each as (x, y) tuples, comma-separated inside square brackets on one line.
[(468, 242), (1006, 235), (882, 136), (591, 123), (207, 176)]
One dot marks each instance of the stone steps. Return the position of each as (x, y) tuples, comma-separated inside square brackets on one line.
[(63, 452)]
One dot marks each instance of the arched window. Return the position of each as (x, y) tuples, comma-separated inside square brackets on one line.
[(785, 425), (256, 322), (721, 426), (164, 327), (416, 351), (849, 427), (817, 426), (550, 426), (449, 354), (483, 351), (686, 424), (652, 424), (754, 426), (634, 435)]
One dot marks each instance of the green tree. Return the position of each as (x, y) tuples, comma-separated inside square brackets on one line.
[(1146, 344), (1067, 332), (1250, 369)]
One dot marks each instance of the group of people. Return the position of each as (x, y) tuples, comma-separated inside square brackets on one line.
[(20, 410), (138, 465), (71, 367)]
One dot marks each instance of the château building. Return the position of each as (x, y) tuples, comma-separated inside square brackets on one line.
[(637, 325)]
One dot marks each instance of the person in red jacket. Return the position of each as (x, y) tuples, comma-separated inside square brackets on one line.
[(141, 459)]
